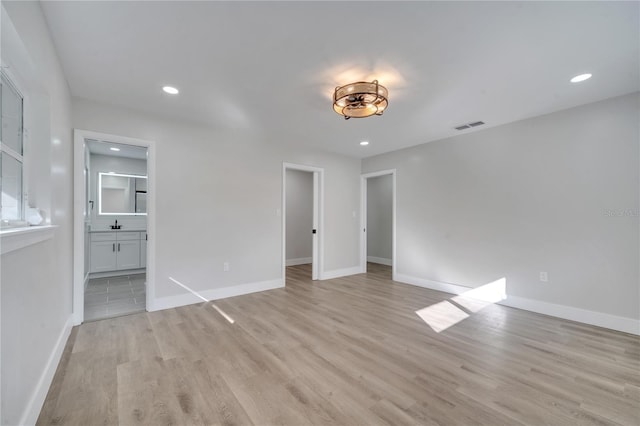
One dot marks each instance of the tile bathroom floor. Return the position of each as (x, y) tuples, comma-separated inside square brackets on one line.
[(114, 296)]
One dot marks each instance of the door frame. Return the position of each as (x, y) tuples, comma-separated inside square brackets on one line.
[(80, 202), (317, 262), (363, 219)]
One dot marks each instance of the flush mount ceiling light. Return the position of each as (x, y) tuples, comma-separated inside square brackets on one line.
[(360, 99), (114, 149), (364, 143), (579, 78), (170, 90)]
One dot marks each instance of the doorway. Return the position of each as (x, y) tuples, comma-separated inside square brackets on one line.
[(378, 222), (113, 224), (302, 230)]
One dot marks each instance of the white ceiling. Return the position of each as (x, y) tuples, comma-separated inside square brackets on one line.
[(271, 67), (126, 151)]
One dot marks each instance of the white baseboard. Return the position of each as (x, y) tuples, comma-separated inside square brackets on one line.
[(214, 294), (117, 273), (600, 319), (337, 273), (433, 285), (299, 261), (380, 260), (32, 410)]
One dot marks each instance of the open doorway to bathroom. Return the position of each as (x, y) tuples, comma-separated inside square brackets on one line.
[(112, 236), (116, 230)]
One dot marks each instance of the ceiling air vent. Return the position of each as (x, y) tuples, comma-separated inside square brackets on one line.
[(470, 125)]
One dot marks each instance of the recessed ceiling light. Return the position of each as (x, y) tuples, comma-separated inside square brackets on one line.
[(171, 90), (114, 149), (364, 143), (581, 77)]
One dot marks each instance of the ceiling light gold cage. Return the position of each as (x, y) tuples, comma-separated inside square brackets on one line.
[(360, 99)]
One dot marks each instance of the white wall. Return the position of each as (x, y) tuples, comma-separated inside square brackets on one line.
[(36, 285), (218, 199), (299, 187), (104, 164), (380, 219), (557, 193)]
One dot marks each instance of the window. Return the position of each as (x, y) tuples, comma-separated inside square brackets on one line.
[(11, 152)]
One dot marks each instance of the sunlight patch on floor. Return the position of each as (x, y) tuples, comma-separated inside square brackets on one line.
[(223, 313), (483, 296), (442, 315), (198, 295)]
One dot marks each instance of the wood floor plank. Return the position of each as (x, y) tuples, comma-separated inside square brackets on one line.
[(347, 351)]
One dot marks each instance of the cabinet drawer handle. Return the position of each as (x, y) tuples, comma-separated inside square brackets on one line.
[(114, 246), (118, 246)]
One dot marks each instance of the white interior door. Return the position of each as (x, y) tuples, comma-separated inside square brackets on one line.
[(317, 258), (363, 224), (363, 219), (314, 253)]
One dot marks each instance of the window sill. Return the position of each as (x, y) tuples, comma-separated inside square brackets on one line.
[(12, 239)]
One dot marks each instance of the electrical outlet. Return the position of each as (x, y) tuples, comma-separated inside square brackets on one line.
[(225, 266), (544, 277)]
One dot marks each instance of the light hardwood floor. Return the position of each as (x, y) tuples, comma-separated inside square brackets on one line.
[(349, 351)]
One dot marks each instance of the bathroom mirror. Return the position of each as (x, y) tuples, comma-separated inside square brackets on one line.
[(121, 194)]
